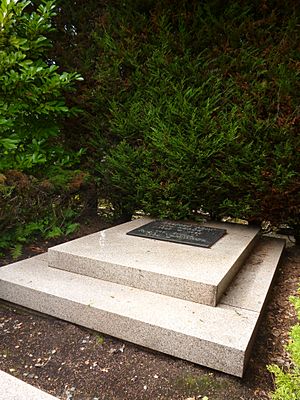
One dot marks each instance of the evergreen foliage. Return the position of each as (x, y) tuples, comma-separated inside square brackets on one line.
[(32, 103), (194, 106), (44, 207), (31, 88)]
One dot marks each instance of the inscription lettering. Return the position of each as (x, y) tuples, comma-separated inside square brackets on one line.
[(177, 232)]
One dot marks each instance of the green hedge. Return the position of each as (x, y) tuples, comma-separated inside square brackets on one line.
[(193, 106)]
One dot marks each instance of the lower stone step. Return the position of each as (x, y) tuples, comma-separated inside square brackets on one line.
[(12, 388), (217, 337)]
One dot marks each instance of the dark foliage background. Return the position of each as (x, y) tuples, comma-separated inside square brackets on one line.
[(189, 106)]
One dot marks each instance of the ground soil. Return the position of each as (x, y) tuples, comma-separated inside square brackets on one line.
[(74, 363)]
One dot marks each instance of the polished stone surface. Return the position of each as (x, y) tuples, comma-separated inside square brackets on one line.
[(178, 270), (217, 337)]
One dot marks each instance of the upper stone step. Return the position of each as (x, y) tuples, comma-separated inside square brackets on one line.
[(178, 270)]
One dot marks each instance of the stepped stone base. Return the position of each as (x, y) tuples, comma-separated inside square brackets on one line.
[(217, 337), (177, 270)]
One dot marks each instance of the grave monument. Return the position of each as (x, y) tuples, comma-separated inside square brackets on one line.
[(194, 291)]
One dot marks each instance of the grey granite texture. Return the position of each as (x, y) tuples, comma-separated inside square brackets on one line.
[(216, 337), (12, 388), (178, 270), (250, 287)]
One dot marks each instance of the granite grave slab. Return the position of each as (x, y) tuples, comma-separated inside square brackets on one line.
[(173, 269)]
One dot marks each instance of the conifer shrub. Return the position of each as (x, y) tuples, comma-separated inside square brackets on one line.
[(194, 107)]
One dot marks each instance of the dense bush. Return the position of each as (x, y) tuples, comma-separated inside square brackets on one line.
[(31, 89), (45, 207), (287, 383), (202, 129), (38, 194), (194, 106)]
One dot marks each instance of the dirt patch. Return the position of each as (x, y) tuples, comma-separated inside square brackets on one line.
[(74, 363)]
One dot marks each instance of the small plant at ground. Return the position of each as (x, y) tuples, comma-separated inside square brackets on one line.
[(100, 339), (287, 382), (48, 228), (200, 384)]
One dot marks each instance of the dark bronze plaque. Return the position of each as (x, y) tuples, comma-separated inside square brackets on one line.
[(178, 232)]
